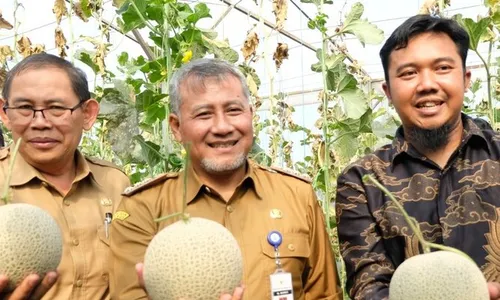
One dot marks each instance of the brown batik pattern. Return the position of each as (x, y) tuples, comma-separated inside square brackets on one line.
[(456, 206)]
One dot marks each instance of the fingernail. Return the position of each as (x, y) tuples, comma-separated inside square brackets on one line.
[(52, 278)]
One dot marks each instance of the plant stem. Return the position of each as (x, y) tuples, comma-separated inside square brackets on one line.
[(411, 221), (148, 25), (326, 135), (488, 82), (6, 185)]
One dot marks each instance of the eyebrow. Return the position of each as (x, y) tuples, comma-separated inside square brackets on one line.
[(438, 60), (49, 101), (205, 106)]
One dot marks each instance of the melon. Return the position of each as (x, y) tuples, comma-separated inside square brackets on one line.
[(436, 276), (193, 259), (30, 242)]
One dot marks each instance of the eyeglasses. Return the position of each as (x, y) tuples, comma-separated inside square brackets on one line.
[(52, 113)]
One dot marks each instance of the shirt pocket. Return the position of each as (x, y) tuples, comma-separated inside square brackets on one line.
[(294, 252), (103, 253)]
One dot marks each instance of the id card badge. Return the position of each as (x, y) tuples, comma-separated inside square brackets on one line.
[(281, 286)]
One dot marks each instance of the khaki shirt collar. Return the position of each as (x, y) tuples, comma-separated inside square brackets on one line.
[(194, 183), (24, 172)]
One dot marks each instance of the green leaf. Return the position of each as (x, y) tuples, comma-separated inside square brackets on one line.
[(155, 13), (354, 102), (366, 32), (355, 13), (156, 76), (130, 20), (86, 58), (84, 4), (475, 30), (154, 113), (150, 151), (200, 11), (221, 49), (123, 58), (346, 145), (331, 61)]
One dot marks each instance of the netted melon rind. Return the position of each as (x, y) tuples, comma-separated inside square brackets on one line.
[(197, 260), (30, 242)]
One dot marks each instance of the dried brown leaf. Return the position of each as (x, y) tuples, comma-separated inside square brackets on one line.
[(280, 54), (59, 10), (250, 45), (4, 24), (98, 59), (60, 42), (77, 9), (5, 53), (24, 46), (38, 48), (280, 10), (3, 76)]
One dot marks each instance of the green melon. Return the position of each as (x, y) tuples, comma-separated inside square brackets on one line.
[(30, 242), (197, 259), (436, 276)]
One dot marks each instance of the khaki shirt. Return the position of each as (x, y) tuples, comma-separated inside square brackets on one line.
[(83, 271), (265, 200)]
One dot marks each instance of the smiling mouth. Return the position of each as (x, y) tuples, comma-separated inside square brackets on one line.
[(222, 144), (429, 104)]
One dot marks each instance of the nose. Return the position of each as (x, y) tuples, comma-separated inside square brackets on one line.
[(39, 121), (222, 125), (427, 82)]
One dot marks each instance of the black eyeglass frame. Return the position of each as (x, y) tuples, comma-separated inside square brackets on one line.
[(71, 109)]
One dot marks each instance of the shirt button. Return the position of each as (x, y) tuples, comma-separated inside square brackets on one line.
[(208, 190), (79, 283), (45, 184), (291, 247), (66, 202), (105, 277), (76, 242), (229, 208)]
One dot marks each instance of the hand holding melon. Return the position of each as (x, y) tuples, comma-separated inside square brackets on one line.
[(30, 246), (447, 274)]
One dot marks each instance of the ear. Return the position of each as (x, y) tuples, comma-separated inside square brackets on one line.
[(387, 91), (468, 76), (175, 124), (90, 112), (3, 115)]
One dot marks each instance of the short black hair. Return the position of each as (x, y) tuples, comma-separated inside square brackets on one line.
[(77, 77), (420, 24)]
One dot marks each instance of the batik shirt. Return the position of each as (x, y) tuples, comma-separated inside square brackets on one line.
[(458, 206)]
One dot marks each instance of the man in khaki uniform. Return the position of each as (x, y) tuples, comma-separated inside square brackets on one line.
[(47, 104), (211, 112)]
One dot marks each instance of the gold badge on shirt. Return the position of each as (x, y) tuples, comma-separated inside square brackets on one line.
[(120, 215), (106, 202), (276, 213)]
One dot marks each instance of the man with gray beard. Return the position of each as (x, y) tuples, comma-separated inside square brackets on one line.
[(211, 114)]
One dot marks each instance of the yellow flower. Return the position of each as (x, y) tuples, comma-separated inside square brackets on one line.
[(183, 153), (187, 56)]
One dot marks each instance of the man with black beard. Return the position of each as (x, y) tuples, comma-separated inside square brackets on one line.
[(443, 166)]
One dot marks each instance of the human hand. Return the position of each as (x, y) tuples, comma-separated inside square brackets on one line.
[(237, 294), (494, 289), (30, 288)]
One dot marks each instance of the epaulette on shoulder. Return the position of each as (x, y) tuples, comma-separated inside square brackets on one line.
[(103, 163), (141, 186), (287, 172)]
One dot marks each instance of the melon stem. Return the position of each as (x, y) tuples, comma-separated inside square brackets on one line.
[(6, 185), (412, 222)]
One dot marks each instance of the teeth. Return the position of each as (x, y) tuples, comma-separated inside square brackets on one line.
[(428, 104), (225, 145)]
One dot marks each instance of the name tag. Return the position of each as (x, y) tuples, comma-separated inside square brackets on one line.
[(281, 286)]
